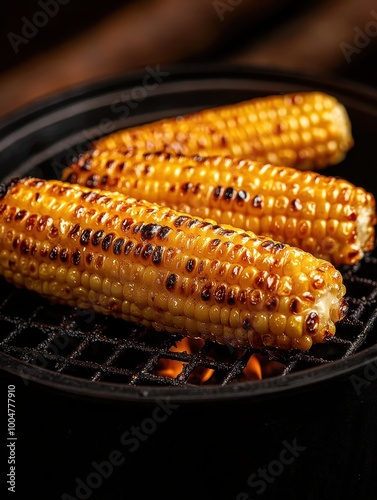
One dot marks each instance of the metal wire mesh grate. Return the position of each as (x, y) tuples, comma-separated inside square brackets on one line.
[(96, 348)]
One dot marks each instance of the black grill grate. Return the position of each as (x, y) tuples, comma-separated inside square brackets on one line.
[(88, 346)]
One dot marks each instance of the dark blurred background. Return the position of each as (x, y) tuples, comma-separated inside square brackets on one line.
[(48, 45)]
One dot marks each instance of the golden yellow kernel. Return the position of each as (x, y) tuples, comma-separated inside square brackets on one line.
[(277, 323), (303, 343), (260, 323), (201, 313), (116, 289), (283, 341), (73, 276), (294, 326)]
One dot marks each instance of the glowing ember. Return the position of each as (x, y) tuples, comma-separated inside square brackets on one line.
[(253, 369), (259, 367)]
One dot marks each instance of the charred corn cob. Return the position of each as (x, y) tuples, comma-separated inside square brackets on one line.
[(307, 130), (162, 268), (324, 215)]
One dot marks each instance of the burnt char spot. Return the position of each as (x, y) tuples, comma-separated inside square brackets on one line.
[(157, 255), (257, 201), (163, 232), (54, 253), (21, 214), (71, 178), (294, 306), (255, 297), (272, 246), (92, 181), (16, 242), (220, 293), (42, 223), (214, 244), (246, 324), (190, 264), (296, 205), (104, 180), (106, 243), (171, 280), (231, 299), (201, 267), (148, 250), (192, 223), (24, 247), (74, 231), (97, 236), (54, 232), (126, 224), (179, 221), (76, 256), (271, 303), (138, 249), (206, 292), (85, 237), (217, 192), (89, 258), (228, 193), (118, 245), (128, 247), (241, 196), (186, 187), (137, 227), (43, 251), (149, 231), (312, 322), (64, 255), (226, 232), (30, 222)]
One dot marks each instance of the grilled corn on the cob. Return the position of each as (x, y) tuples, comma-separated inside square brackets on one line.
[(324, 215), (162, 268), (306, 130)]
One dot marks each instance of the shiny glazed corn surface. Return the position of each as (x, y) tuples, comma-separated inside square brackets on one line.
[(165, 269), (327, 216), (306, 130)]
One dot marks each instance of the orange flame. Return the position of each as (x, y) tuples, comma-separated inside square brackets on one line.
[(253, 369), (172, 368)]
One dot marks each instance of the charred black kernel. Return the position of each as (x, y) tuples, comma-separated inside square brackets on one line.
[(106, 243), (257, 201), (163, 232), (214, 243), (186, 187), (53, 255), (220, 293), (92, 181), (71, 178), (228, 193), (201, 267), (42, 223), (190, 264), (192, 223), (157, 255), (64, 255), (172, 188), (104, 180), (110, 163), (74, 231), (85, 237), (312, 322), (206, 292), (241, 196), (138, 249), (255, 297), (16, 242), (171, 280), (271, 304), (226, 232), (126, 224), (179, 221), (24, 247), (53, 232), (118, 245), (21, 214), (272, 246), (30, 222), (294, 306), (149, 231), (43, 251), (231, 299), (89, 258), (76, 256), (97, 236), (120, 166), (137, 227), (246, 324), (217, 191), (147, 251), (128, 247)]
